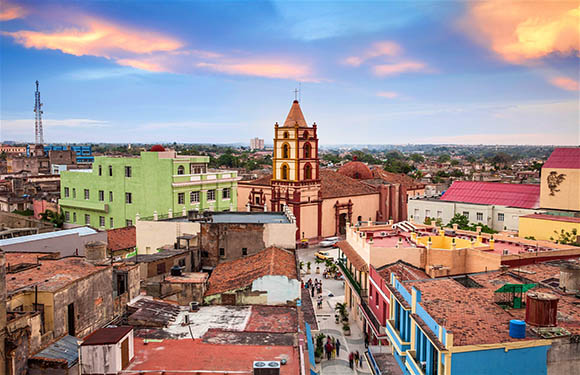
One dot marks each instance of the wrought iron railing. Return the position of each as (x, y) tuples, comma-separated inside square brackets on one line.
[(352, 281)]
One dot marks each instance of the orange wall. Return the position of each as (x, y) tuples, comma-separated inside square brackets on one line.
[(365, 206)]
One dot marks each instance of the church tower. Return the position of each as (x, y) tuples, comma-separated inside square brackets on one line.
[(296, 176)]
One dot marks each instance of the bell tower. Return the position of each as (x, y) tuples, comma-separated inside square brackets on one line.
[(295, 172)]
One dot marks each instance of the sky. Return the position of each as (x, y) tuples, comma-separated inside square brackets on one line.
[(377, 72)]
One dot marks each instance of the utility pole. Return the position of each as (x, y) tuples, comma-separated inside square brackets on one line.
[(38, 136)]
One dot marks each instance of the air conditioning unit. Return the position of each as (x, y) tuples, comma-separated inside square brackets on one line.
[(266, 368), (505, 252)]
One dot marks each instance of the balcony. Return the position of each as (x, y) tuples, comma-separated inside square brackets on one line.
[(372, 319), (84, 205), (395, 339), (351, 280), (412, 365)]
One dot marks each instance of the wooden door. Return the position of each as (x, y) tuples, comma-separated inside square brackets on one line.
[(125, 353)]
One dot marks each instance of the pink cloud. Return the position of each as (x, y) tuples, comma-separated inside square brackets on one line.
[(142, 65), (384, 48), (11, 12), (388, 94), (565, 83), (523, 30), (399, 68), (260, 69)]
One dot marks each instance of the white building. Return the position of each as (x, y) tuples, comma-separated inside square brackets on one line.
[(256, 144)]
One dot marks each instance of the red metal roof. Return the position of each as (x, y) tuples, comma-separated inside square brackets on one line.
[(107, 336), (513, 195), (564, 157)]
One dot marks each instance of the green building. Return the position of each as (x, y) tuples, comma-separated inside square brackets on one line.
[(158, 182)]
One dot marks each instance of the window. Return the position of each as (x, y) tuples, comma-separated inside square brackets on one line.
[(194, 197), (66, 192), (466, 214), (100, 170), (284, 172), (305, 134), (128, 223), (244, 251), (110, 170), (127, 171), (500, 216), (111, 222), (416, 213), (181, 262), (427, 213), (307, 149), (74, 193), (211, 195), (87, 194), (439, 214), (87, 219), (110, 196), (101, 221), (222, 252), (285, 134), (67, 216), (257, 199), (226, 193), (307, 172), (479, 216), (160, 268), (180, 170), (285, 151), (128, 198), (180, 198), (74, 217), (101, 196)]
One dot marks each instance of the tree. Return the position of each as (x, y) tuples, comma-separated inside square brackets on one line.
[(427, 221), (566, 238), (417, 158), (454, 162), (55, 218), (443, 158), (461, 221)]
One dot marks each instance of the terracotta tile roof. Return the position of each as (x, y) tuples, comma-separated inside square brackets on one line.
[(407, 182), (403, 271), (16, 258), (52, 275), (121, 238), (263, 181), (554, 218), (353, 257), (242, 272), (335, 185), (356, 169), (295, 116), (513, 195), (564, 157), (278, 319)]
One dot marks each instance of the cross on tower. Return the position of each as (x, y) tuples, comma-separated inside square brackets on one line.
[(296, 91)]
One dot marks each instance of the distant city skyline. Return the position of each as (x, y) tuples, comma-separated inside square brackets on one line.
[(438, 72)]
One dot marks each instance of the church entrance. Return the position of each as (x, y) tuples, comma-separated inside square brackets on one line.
[(342, 224)]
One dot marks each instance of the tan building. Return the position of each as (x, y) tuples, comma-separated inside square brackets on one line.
[(560, 181)]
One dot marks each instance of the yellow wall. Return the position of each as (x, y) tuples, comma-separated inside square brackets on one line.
[(26, 300), (568, 198), (543, 229)]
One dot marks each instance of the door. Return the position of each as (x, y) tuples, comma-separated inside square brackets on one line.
[(71, 319), (124, 353), (342, 224), (228, 299)]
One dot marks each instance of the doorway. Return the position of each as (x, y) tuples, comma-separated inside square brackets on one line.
[(342, 223), (71, 319), (125, 353)]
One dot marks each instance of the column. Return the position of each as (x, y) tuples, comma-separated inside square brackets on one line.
[(429, 359)]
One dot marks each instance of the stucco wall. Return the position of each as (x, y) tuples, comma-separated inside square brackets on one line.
[(568, 196), (542, 229), (365, 206), (529, 361), (280, 235), (152, 235), (104, 359), (279, 289)]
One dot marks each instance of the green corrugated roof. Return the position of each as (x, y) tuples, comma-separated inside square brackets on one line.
[(515, 288)]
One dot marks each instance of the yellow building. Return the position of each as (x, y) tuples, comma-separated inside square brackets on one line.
[(560, 186), (547, 227)]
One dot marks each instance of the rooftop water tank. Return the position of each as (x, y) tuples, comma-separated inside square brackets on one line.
[(541, 309), (517, 329)]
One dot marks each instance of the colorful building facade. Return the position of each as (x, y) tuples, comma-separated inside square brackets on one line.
[(157, 183)]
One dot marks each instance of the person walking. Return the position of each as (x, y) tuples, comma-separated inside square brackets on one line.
[(350, 360), (360, 359), (328, 348), (312, 289), (333, 341), (356, 358), (337, 348)]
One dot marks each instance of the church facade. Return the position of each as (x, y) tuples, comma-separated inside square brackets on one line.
[(322, 201)]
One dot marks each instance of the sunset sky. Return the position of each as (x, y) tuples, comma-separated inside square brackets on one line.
[(471, 72)]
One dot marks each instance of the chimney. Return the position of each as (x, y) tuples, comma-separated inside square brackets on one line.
[(96, 252), (455, 227), (570, 277)]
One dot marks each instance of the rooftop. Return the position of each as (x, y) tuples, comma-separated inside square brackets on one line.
[(176, 355), (250, 217), (146, 258), (65, 351), (121, 238), (81, 231), (564, 157), (357, 261), (188, 278), (397, 178), (356, 169), (52, 275), (403, 271), (295, 116), (567, 219), (242, 272), (334, 185), (106, 336), (512, 195)]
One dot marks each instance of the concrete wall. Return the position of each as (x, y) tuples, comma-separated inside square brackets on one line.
[(152, 235), (421, 208), (279, 289), (543, 229), (104, 359), (280, 235), (529, 361), (67, 245), (10, 220), (564, 357), (568, 195)]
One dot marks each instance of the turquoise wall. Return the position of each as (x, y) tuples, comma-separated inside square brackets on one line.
[(528, 361)]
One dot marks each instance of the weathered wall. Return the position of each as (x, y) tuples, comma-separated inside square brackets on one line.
[(566, 195), (152, 235), (2, 310), (67, 245), (564, 356), (93, 303), (280, 235), (10, 220), (104, 359), (232, 238), (279, 289)]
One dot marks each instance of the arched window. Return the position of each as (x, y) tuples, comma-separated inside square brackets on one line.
[(286, 135), (307, 149), (305, 134), (285, 151), (307, 172), (284, 172), (180, 170)]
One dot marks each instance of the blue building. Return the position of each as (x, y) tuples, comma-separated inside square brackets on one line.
[(84, 153), (461, 325)]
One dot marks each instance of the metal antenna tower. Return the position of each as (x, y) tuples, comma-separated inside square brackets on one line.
[(38, 136)]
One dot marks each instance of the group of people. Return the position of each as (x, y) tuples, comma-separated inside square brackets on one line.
[(355, 360), (314, 286), (332, 347)]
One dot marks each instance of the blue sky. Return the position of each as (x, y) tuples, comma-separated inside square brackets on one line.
[(214, 71)]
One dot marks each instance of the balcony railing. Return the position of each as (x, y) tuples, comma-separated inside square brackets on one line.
[(411, 363), (351, 280)]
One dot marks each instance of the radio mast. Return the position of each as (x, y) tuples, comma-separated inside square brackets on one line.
[(38, 136)]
